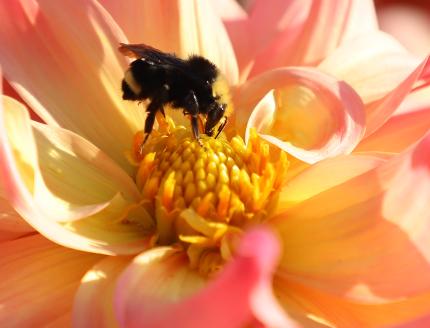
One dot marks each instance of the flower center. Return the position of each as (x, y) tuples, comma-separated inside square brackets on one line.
[(203, 197)]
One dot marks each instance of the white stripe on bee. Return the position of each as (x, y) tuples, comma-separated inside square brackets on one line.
[(129, 79)]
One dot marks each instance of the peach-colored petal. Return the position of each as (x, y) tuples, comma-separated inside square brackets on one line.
[(67, 188), (159, 289), (310, 115), (12, 226), (378, 112), (313, 39), (364, 240), (327, 174), (63, 61), (335, 311), (38, 281), (373, 64), (93, 306), (182, 27)]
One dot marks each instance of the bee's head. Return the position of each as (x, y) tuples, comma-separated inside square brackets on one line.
[(215, 114)]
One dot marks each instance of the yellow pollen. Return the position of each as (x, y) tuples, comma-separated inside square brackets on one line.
[(202, 197)]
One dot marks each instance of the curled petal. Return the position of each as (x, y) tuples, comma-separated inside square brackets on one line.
[(38, 281), (182, 27), (65, 187), (362, 244), (168, 290), (310, 115), (63, 61)]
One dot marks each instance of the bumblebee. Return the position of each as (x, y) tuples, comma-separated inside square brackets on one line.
[(194, 85)]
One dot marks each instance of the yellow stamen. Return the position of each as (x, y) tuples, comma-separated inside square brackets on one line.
[(203, 196)]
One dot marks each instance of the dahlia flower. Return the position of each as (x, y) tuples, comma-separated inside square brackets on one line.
[(310, 210)]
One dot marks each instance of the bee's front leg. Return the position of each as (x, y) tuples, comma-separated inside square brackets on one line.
[(192, 107)]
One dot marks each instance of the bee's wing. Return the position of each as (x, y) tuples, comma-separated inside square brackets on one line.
[(138, 51)]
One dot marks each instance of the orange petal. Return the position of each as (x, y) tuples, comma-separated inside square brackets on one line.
[(310, 115), (160, 290), (65, 187), (309, 41), (181, 27), (364, 240), (38, 281), (74, 75), (93, 306), (358, 62)]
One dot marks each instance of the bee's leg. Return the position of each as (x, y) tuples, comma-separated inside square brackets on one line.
[(221, 127), (155, 105), (192, 107)]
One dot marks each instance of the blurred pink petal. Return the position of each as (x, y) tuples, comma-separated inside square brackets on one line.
[(182, 27), (38, 280), (313, 39), (167, 285), (361, 241), (408, 21), (62, 60), (51, 175), (310, 115)]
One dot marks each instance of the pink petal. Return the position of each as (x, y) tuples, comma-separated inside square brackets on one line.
[(181, 27), (310, 115), (358, 62), (313, 39), (408, 124), (159, 289), (38, 280), (93, 306), (62, 59), (380, 111), (65, 187), (362, 244)]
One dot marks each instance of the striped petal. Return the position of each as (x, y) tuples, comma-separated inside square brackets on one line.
[(183, 27), (38, 280), (160, 290), (361, 245), (63, 61), (65, 187), (310, 115)]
